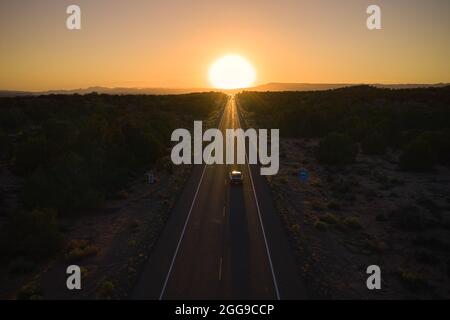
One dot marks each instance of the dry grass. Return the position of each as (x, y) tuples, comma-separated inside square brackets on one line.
[(79, 249)]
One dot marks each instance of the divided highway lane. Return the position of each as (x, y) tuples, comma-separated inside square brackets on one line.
[(213, 246), (289, 283)]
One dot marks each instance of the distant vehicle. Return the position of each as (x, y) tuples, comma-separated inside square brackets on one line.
[(235, 177)]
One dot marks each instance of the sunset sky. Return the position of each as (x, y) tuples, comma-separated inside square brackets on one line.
[(145, 43)]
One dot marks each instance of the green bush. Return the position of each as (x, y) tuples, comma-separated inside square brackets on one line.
[(12, 118), (329, 218), (410, 218), (60, 136), (75, 149), (439, 142), (432, 242), (32, 234), (320, 225), (334, 205), (373, 144), (30, 291), (105, 291), (413, 280), (66, 186), (417, 156), (21, 265), (427, 257), (30, 155), (79, 249), (336, 149), (352, 223), (3, 144), (376, 118)]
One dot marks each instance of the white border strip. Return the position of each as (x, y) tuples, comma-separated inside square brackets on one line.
[(186, 223), (260, 219)]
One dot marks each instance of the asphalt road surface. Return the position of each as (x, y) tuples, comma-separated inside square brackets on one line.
[(222, 241)]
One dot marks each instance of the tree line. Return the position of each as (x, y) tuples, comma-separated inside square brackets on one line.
[(74, 151), (362, 119)]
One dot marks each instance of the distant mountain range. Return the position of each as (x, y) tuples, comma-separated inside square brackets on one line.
[(280, 86), (273, 86), (105, 90)]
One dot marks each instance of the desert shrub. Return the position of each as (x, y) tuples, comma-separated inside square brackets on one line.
[(21, 265), (375, 117), (374, 245), (334, 205), (409, 218), (432, 242), (320, 225), (142, 145), (336, 149), (412, 280), (342, 186), (317, 205), (169, 167), (295, 228), (33, 234), (66, 186), (122, 195), (30, 291), (132, 243), (426, 257), (417, 156), (75, 149), (134, 225), (373, 143), (429, 204), (439, 142), (3, 144), (30, 155), (79, 249), (105, 291), (352, 223), (60, 137), (12, 119), (283, 180), (329, 218)]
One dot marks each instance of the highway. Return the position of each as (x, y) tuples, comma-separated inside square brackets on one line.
[(222, 241)]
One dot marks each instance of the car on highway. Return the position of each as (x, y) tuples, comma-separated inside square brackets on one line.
[(236, 177)]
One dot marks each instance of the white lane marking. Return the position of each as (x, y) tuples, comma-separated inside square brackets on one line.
[(185, 225), (260, 219)]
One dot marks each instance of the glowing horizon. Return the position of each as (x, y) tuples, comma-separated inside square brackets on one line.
[(171, 44)]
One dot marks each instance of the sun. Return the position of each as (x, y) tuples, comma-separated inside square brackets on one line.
[(232, 72)]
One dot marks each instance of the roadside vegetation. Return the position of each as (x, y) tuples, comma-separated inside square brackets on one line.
[(68, 154), (366, 119), (379, 179)]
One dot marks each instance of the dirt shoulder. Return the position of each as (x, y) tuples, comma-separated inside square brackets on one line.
[(345, 219), (120, 238)]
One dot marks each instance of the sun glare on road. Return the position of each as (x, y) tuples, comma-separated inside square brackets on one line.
[(232, 72)]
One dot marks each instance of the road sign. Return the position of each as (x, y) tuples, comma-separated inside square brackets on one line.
[(303, 175), (150, 177)]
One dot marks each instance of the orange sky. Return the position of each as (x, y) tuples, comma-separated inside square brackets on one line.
[(143, 43)]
